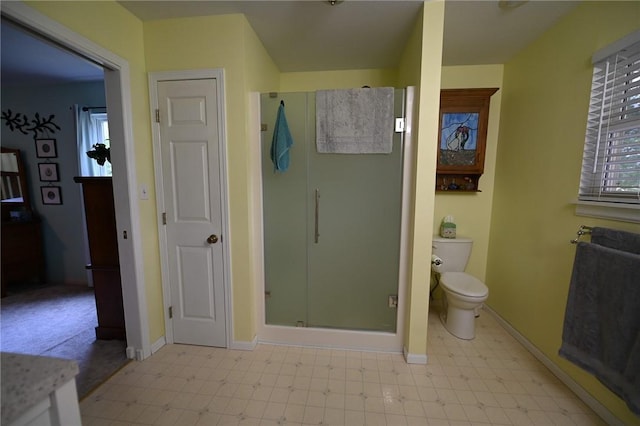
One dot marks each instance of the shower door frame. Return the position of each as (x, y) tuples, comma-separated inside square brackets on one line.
[(325, 337)]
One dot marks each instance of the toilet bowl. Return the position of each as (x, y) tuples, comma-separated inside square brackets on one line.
[(463, 293), (463, 296)]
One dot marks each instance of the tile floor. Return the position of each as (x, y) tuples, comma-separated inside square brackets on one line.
[(491, 380)]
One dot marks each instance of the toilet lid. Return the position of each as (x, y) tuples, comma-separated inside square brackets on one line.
[(463, 284)]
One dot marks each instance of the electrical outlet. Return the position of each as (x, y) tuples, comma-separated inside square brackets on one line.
[(393, 301)]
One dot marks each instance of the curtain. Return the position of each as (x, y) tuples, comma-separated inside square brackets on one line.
[(90, 130)]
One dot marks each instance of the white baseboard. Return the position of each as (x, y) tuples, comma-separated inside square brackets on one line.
[(580, 392), (413, 358), (244, 346), (155, 346)]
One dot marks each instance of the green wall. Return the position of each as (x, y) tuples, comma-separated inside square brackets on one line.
[(544, 108)]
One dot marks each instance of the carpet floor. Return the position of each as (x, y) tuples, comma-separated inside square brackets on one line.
[(59, 321)]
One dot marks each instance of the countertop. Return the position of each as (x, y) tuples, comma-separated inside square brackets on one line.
[(28, 379)]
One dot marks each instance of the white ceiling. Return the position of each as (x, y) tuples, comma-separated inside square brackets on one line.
[(312, 35)]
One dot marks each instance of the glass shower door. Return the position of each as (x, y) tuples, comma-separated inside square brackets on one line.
[(285, 215), (354, 260), (332, 228)]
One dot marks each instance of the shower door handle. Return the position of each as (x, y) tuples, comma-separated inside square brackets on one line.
[(317, 217)]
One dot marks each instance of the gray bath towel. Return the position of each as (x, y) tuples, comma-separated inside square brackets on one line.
[(616, 239), (355, 121), (601, 330)]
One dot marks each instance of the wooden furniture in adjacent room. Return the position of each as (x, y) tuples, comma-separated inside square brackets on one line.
[(22, 257), (103, 252)]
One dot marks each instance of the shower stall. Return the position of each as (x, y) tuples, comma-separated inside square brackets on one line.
[(332, 234)]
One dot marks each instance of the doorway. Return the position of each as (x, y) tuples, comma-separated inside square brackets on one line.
[(118, 90)]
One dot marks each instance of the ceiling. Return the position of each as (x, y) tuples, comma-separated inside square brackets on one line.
[(313, 35)]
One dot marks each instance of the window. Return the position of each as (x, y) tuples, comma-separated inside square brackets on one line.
[(92, 128), (611, 162)]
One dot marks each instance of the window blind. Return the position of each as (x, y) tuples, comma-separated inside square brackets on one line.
[(611, 160)]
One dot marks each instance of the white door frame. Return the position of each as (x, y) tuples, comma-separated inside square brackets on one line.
[(118, 94), (218, 75)]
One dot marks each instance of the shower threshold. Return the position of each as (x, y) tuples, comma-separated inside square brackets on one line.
[(334, 338)]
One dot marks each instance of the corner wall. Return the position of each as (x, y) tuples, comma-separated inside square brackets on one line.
[(544, 109), (472, 211), (110, 25), (177, 44)]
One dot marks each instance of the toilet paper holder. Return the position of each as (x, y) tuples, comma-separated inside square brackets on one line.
[(435, 260)]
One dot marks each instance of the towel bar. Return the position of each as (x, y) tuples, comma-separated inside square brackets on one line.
[(581, 231)]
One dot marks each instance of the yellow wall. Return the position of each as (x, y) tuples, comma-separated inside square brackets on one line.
[(225, 42), (424, 175), (321, 80), (545, 97), (111, 26), (206, 42), (545, 93), (472, 212)]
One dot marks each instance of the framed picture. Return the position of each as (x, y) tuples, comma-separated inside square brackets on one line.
[(51, 195), (48, 172), (46, 148), (462, 136)]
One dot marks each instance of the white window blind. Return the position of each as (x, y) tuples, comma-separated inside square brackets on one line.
[(611, 161)]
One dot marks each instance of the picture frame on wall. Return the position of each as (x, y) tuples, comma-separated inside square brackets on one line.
[(46, 148), (51, 195), (48, 172)]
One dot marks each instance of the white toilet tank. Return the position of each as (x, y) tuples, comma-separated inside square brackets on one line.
[(454, 253)]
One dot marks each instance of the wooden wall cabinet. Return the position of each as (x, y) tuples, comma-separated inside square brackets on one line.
[(103, 251), (462, 137)]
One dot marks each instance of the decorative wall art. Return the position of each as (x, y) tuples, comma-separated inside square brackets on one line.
[(51, 195), (48, 172), (46, 148), (39, 125), (462, 137)]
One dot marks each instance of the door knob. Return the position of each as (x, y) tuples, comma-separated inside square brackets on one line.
[(212, 239)]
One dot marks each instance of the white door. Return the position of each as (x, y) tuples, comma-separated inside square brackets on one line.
[(189, 140)]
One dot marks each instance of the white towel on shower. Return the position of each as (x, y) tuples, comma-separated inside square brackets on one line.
[(355, 121)]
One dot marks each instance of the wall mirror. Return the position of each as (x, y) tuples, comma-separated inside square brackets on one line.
[(13, 186)]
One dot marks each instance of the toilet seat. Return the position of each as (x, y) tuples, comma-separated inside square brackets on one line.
[(463, 284)]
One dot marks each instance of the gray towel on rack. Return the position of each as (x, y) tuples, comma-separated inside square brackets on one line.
[(601, 330), (616, 239), (355, 121)]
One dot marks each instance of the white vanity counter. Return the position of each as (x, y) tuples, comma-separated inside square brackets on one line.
[(36, 387)]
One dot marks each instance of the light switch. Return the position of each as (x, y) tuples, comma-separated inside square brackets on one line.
[(144, 192)]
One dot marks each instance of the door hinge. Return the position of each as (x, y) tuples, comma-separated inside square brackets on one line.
[(164, 218), (157, 115), (170, 311)]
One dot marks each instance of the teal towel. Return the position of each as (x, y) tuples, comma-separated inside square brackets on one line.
[(281, 142)]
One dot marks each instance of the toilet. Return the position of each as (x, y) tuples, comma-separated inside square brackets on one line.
[(463, 293)]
